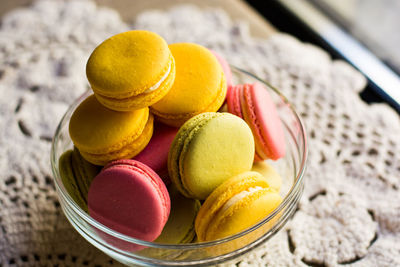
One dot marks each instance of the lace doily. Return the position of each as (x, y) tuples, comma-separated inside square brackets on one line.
[(349, 213)]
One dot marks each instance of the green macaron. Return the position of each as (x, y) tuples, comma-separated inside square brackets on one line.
[(77, 174), (179, 228), (207, 150)]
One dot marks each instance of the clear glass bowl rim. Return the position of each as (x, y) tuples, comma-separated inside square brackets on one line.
[(86, 217)]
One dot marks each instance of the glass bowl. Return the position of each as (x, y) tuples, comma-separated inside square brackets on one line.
[(291, 168)]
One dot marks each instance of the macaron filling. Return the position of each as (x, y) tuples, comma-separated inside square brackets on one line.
[(127, 95), (238, 197), (157, 85)]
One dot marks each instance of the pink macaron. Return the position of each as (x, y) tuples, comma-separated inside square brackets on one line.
[(253, 103), (130, 198), (225, 67), (155, 155)]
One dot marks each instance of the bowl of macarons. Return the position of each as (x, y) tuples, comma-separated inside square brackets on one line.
[(174, 157)]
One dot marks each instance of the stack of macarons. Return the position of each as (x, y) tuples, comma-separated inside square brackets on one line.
[(155, 157)]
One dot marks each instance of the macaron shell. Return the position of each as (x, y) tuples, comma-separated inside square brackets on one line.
[(260, 113), (144, 99), (179, 228), (130, 149), (84, 172), (244, 214), (68, 179), (221, 148), (233, 100), (96, 129), (177, 146), (153, 176), (221, 195), (155, 154), (199, 85), (128, 63), (179, 120), (269, 173), (121, 197), (257, 158)]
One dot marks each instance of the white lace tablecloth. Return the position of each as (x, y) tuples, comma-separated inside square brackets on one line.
[(349, 213)]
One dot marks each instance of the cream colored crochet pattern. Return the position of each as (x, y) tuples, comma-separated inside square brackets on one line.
[(349, 214)]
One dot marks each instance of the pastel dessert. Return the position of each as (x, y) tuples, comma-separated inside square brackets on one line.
[(236, 205), (155, 154), (253, 103), (225, 68), (269, 173), (179, 228), (199, 85), (131, 70), (130, 198), (136, 75), (77, 174), (103, 135), (207, 150)]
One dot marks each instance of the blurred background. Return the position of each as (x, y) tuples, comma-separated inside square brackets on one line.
[(363, 32)]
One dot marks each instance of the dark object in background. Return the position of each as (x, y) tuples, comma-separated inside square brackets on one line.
[(286, 21)]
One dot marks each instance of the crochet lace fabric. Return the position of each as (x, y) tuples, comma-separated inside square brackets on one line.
[(349, 213)]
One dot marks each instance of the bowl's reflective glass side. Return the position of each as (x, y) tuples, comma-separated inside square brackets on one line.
[(291, 168)]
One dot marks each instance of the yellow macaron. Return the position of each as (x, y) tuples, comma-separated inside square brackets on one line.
[(235, 205), (103, 135), (131, 70), (199, 85), (269, 172)]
